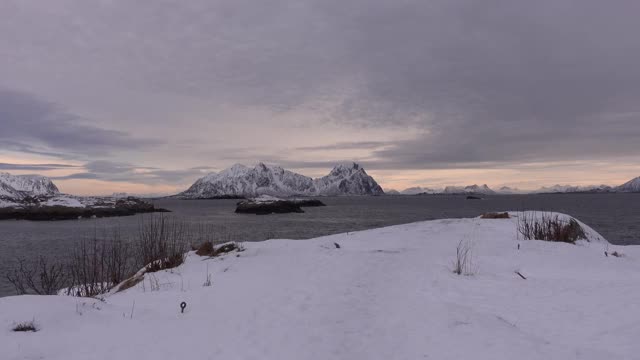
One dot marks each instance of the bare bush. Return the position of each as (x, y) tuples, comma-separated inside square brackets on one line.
[(549, 227), (98, 264), (42, 278), (161, 243)]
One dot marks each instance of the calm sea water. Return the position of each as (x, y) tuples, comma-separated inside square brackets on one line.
[(615, 216)]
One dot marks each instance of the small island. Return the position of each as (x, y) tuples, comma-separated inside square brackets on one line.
[(77, 208), (265, 205)]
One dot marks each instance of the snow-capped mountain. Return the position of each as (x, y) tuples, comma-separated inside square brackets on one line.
[(348, 179), (20, 186), (419, 190), (471, 189), (630, 186), (506, 190), (574, 189), (240, 180)]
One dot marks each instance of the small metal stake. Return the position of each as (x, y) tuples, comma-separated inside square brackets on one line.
[(183, 305)]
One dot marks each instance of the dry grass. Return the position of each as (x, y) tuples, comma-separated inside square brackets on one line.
[(493, 215), (550, 227), (463, 264)]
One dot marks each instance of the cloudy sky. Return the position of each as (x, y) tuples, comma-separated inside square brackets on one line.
[(147, 95)]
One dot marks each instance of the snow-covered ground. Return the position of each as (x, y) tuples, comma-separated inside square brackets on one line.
[(387, 293)]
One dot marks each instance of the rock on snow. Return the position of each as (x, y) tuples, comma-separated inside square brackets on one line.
[(387, 293)]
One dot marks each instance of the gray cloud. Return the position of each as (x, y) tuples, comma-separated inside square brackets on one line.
[(366, 145), (28, 123), (40, 167), (124, 172), (484, 84)]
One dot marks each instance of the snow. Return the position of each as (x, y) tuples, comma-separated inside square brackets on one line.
[(67, 201), (386, 293)]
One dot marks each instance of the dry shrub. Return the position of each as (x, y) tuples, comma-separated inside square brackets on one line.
[(209, 249), (617, 254), (504, 215), (550, 227), (206, 249), (26, 327)]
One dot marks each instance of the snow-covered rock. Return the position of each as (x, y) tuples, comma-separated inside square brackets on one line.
[(630, 186), (240, 180), (387, 293)]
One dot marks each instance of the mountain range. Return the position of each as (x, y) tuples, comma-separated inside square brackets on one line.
[(630, 186), (262, 179), (243, 181)]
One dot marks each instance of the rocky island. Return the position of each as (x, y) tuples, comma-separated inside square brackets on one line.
[(265, 205), (29, 197)]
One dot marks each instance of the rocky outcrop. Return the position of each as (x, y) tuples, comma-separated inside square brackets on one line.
[(269, 205)]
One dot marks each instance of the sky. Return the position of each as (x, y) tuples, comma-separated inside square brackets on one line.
[(146, 96)]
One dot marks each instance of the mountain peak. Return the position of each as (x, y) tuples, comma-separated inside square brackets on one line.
[(20, 186)]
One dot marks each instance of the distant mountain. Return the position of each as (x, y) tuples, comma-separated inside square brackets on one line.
[(471, 189), (419, 190), (505, 190), (630, 186), (392, 192), (18, 187), (240, 180), (574, 189)]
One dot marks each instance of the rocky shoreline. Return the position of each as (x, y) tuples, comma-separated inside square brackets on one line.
[(116, 207)]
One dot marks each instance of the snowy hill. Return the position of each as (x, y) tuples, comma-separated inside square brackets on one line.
[(384, 294), (630, 186), (240, 180)]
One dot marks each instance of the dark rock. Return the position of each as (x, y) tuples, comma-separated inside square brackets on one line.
[(268, 207), (308, 202), (471, 197), (121, 207)]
